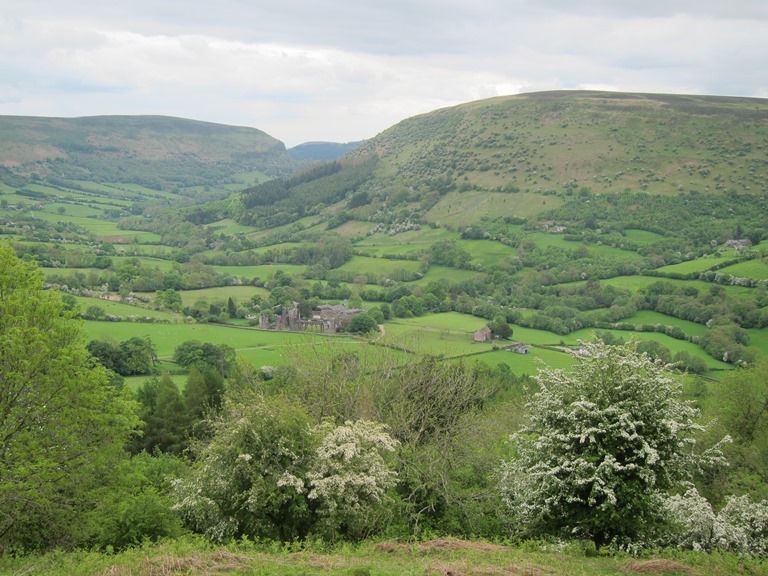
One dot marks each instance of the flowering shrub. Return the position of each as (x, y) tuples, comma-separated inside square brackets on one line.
[(348, 477), (605, 442), (741, 526), (267, 474)]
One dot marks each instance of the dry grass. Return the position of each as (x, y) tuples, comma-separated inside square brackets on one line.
[(462, 569), (656, 567), (439, 545), (218, 563)]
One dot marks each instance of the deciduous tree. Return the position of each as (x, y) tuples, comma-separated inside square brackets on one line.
[(62, 426)]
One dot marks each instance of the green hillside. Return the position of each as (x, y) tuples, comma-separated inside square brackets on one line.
[(156, 152), (525, 154)]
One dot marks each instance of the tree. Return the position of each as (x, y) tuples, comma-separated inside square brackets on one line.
[(362, 324), (138, 356), (499, 327), (164, 416), (203, 392), (204, 354), (605, 443), (62, 426)]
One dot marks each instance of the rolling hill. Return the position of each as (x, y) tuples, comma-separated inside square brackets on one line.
[(521, 155), (156, 152)]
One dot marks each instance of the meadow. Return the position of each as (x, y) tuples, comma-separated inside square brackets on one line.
[(697, 265), (757, 268)]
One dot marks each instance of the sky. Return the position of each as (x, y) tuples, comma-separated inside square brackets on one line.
[(345, 70)]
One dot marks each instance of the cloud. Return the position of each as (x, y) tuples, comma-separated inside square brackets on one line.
[(303, 70)]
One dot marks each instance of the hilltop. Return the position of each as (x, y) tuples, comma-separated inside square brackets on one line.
[(521, 155), (156, 152)]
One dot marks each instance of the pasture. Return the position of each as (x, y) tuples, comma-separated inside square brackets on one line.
[(100, 229), (379, 266), (487, 252), (411, 242), (125, 310), (674, 345), (460, 208), (651, 317), (698, 265), (264, 272), (757, 268), (255, 346), (450, 334), (437, 273), (221, 294)]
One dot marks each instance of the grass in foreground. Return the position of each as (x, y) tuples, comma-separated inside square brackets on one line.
[(440, 557)]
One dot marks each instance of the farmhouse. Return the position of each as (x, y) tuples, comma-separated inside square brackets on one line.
[(326, 318), (483, 335)]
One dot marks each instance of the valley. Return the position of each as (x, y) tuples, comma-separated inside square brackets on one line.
[(285, 351)]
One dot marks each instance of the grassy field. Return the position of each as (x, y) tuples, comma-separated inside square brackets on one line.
[(221, 294), (148, 261), (459, 208), (635, 283), (101, 229), (264, 272), (651, 317), (673, 344), (697, 265), (253, 345), (406, 243), (379, 266), (487, 252), (441, 557), (125, 310), (439, 272), (757, 268), (451, 334)]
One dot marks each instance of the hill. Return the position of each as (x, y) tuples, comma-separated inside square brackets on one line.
[(156, 152), (521, 155)]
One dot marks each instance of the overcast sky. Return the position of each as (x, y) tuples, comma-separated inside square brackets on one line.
[(344, 70)]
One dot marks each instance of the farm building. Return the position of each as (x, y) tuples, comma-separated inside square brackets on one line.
[(517, 348), (483, 335)]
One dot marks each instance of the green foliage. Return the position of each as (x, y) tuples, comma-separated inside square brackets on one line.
[(283, 201), (265, 473), (220, 357), (604, 444), (363, 324), (348, 478), (138, 508), (62, 426), (739, 403), (135, 356), (166, 419), (499, 327), (235, 487)]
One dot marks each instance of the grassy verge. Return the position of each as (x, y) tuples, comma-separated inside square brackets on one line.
[(433, 558)]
